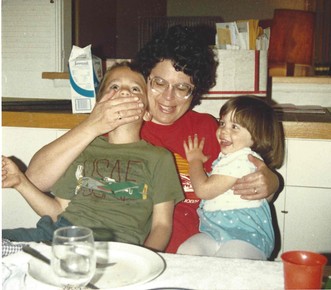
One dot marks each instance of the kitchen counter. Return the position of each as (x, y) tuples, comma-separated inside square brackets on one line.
[(57, 114), (309, 126)]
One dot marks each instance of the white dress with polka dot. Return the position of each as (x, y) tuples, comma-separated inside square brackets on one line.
[(228, 217)]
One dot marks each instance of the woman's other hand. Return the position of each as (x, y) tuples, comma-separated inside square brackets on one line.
[(258, 185)]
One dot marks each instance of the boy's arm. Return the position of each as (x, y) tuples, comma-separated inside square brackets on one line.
[(51, 161), (160, 233), (208, 187), (40, 202), (44, 204)]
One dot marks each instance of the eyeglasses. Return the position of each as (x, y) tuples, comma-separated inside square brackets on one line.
[(181, 90)]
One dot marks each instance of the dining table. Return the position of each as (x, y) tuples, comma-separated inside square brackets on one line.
[(178, 272)]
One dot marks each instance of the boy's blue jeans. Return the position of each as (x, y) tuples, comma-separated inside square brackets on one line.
[(43, 232)]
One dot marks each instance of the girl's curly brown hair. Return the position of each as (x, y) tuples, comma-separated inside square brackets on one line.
[(189, 53)]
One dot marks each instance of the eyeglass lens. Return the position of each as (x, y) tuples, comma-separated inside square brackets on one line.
[(181, 90)]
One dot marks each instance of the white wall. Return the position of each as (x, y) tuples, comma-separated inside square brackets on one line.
[(32, 43), (22, 143)]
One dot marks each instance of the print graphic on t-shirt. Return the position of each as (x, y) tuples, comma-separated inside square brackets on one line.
[(183, 168), (121, 190)]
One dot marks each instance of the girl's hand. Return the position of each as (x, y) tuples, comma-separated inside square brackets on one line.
[(109, 113), (258, 185), (194, 149)]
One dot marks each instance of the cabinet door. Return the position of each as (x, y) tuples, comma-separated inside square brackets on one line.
[(21, 143), (112, 26), (309, 163), (307, 223), (278, 216)]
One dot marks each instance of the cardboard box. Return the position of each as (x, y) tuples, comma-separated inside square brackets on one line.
[(85, 75), (240, 72)]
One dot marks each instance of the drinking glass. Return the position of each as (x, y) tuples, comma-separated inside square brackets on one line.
[(73, 256), (303, 269)]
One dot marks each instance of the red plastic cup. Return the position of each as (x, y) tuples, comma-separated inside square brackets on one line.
[(303, 269)]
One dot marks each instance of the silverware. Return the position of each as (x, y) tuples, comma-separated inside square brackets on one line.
[(27, 249), (33, 252)]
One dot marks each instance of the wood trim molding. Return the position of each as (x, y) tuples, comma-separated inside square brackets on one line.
[(306, 130), (55, 75), (42, 119)]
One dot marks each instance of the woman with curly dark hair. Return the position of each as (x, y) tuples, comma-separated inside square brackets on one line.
[(188, 54), (179, 68)]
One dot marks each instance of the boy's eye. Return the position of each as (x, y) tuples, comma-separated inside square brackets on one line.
[(114, 87), (136, 90), (222, 123)]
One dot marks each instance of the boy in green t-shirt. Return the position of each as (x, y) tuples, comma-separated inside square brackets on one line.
[(122, 187)]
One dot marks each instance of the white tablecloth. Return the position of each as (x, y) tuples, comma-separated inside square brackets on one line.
[(185, 272)]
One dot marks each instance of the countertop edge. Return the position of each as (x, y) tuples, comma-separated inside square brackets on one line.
[(62, 120)]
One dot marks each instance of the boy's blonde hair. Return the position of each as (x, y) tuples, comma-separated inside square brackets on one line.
[(103, 85), (261, 121)]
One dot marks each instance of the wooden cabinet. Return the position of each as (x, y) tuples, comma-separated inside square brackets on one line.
[(303, 208), (112, 26)]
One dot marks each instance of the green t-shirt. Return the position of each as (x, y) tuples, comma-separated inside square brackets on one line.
[(112, 188)]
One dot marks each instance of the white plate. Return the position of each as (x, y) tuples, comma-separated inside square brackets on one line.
[(130, 265)]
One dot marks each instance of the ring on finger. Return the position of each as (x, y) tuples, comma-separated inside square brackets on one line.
[(255, 190), (119, 117)]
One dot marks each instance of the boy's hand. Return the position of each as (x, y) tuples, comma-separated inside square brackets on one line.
[(11, 174), (194, 149)]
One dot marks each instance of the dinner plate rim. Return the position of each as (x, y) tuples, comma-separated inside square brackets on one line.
[(131, 248)]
